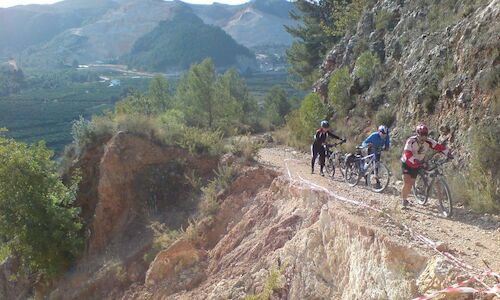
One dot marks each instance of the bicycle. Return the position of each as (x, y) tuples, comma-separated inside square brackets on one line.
[(334, 158), (376, 173), (431, 183)]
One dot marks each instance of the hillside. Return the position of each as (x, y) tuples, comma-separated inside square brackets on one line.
[(252, 24), (24, 26), (89, 31), (176, 44), (437, 64), (104, 38)]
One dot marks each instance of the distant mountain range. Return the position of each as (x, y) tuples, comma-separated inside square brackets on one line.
[(86, 31)]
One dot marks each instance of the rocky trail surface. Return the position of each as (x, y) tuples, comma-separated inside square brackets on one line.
[(474, 239)]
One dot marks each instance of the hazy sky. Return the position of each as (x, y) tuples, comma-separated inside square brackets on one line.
[(8, 3)]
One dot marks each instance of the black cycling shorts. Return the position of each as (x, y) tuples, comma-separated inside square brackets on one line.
[(410, 171)]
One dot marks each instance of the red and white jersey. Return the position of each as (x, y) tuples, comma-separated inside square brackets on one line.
[(415, 151)]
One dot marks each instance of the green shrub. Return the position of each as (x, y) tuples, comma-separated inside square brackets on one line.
[(172, 118), (85, 132), (202, 141), (209, 206), (120, 273), (82, 132), (431, 98), (366, 68), (163, 238), (273, 281), (4, 252), (359, 48), (245, 147), (482, 181), (302, 122), (385, 116), (383, 19), (490, 80), (37, 217), (338, 90)]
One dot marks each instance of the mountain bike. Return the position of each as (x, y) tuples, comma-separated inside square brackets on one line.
[(334, 159), (431, 184), (376, 173)]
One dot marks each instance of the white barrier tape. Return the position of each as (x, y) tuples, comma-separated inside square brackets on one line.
[(456, 288)]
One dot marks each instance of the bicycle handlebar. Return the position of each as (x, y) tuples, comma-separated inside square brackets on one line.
[(334, 144)]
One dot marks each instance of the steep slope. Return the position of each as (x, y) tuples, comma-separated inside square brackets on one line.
[(439, 64)]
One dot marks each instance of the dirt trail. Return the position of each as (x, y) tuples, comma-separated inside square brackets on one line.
[(472, 238)]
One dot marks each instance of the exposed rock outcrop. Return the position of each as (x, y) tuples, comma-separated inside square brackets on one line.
[(129, 181), (437, 67), (324, 249)]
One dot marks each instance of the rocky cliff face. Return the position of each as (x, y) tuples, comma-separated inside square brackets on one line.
[(439, 64), (128, 182), (315, 247)]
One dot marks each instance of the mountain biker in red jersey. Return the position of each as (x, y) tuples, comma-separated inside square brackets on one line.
[(317, 147), (413, 155)]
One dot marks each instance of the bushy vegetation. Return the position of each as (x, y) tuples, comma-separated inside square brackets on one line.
[(212, 101), (276, 106), (383, 20), (209, 205), (157, 100), (321, 24), (302, 122), (165, 48), (339, 90), (273, 281), (163, 238), (480, 187), (366, 68), (385, 116), (37, 219), (245, 148)]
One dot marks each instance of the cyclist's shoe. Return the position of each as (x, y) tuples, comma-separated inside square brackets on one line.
[(321, 173), (405, 204)]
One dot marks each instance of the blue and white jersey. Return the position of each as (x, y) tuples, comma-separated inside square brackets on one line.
[(377, 141)]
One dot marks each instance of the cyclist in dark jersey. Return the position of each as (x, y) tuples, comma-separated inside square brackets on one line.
[(317, 147)]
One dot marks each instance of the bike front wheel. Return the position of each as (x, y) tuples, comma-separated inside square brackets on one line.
[(330, 167), (420, 190), (441, 192), (378, 178), (351, 175)]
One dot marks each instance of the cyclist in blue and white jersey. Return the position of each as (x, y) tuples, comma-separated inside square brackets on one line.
[(378, 140)]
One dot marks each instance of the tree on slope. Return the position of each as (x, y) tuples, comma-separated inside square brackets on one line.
[(37, 217)]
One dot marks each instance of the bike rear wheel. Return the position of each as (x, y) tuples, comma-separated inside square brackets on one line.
[(351, 174), (378, 180), (341, 165), (420, 190), (441, 192)]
